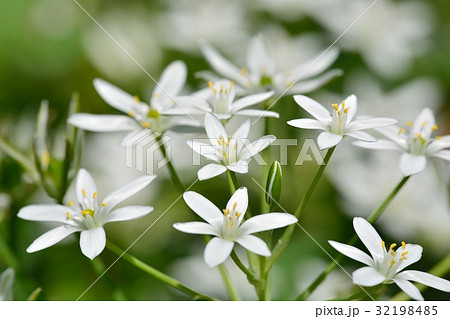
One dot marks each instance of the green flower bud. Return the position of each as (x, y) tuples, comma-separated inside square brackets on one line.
[(273, 184)]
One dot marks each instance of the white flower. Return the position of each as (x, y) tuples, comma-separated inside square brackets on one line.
[(6, 284), (338, 124), (88, 217), (219, 99), (226, 225), (386, 265), (155, 116), (415, 143), (260, 72), (229, 152)]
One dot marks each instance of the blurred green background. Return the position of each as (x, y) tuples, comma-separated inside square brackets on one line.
[(50, 49)]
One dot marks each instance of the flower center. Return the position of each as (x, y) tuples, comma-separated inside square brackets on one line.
[(392, 259), (339, 120), (227, 149), (86, 213), (231, 222), (221, 97), (419, 138)]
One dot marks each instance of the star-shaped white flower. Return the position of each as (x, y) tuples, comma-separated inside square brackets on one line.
[(260, 71), (219, 98), (6, 284), (226, 225), (229, 152), (339, 123), (156, 116), (89, 216), (386, 265), (416, 143)]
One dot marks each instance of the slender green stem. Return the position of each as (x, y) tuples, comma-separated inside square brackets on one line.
[(439, 270), (234, 295), (372, 218), (232, 181), (99, 268), (173, 173), (258, 283), (156, 273), (359, 295), (282, 243)]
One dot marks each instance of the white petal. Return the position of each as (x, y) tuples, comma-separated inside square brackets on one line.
[(214, 128), (266, 221), (307, 124), (240, 167), (378, 145), (239, 202), (328, 140), (369, 123), (128, 213), (369, 237), (440, 144), (221, 65), (254, 244), (210, 171), (196, 228), (206, 150), (92, 242), (127, 191), (391, 132), (312, 107), (306, 86), (114, 96), (170, 83), (317, 64), (51, 237), (425, 279), (367, 276), (414, 255), (409, 289), (444, 154), (352, 252), (412, 164), (102, 123), (257, 146), (259, 113), (193, 104), (352, 104), (426, 116), (85, 188), (250, 100), (217, 251), (46, 213), (242, 132), (258, 58), (363, 136), (203, 207)]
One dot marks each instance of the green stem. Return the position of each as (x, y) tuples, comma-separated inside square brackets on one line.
[(258, 283), (359, 295), (439, 270), (234, 295), (99, 268), (232, 181), (173, 173), (156, 273), (282, 243), (372, 218)]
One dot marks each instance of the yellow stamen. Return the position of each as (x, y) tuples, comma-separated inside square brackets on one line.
[(392, 246), (420, 137), (157, 95), (400, 131), (438, 137), (234, 205), (71, 203), (94, 195), (136, 99), (68, 215), (211, 87), (83, 192), (145, 124), (343, 104), (104, 204), (392, 262), (221, 89), (434, 127), (289, 83), (404, 254), (244, 71), (225, 211), (238, 214), (409, 123), (336, 107), (403, 258), (383, 244), (403, 245), (425, 123)]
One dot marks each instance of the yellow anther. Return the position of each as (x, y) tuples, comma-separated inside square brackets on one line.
[(83, 192), (131, 114), (94, 195), (226, 211), (392, 246), (68, 215), (104, 204), (231, 223), (438, 137), (403, 258), (234, 205), (221, 89), (231, 85), (336, 107), (403, 245), (244, 71), (238, 214), (137, 99), (346, 110), (383, 244), (157, 95), (392, 262), (404, 254), (87, 212), (145, 124), (71, 203), (425, 123), (212, 87), (343, 104), (45, 157), (409, 123), (434, 127), (400, 131), (420, 137)]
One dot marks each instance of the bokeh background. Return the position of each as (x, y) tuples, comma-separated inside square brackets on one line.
[(395, 59)]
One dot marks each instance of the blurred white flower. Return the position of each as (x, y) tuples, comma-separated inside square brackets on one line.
[(339, 124), (416, 144), (6, 285), (386, 266), (227, 228), (89, 217), (229, 152), (219, 99), (260, 72)]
